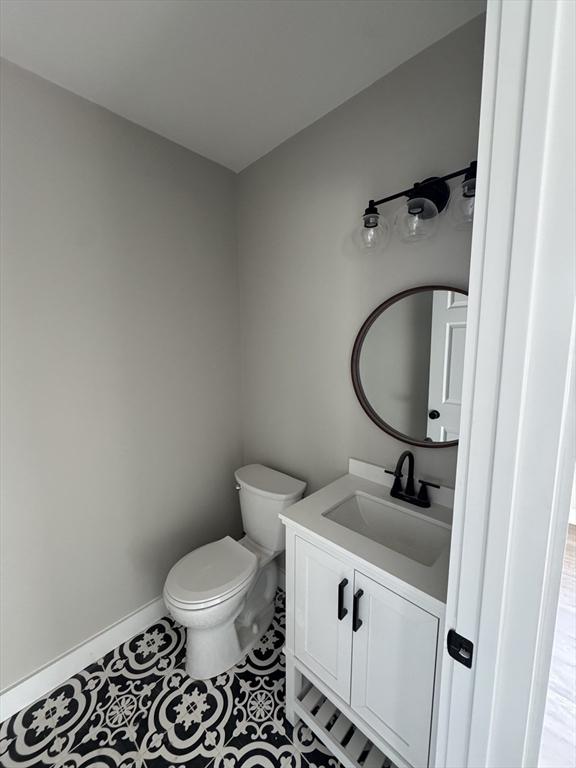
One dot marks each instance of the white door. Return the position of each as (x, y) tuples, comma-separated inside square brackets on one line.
[(323, 615), (393, 667), (517, 446), (448, 334)]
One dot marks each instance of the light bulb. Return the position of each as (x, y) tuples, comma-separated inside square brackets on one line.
[(373, 233), (416, 220), (461, 207)]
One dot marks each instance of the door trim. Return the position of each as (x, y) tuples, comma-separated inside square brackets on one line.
[(516, 454)]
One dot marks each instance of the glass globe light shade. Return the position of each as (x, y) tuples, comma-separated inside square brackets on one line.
[(461, 208), (373, 234), (416, 220)]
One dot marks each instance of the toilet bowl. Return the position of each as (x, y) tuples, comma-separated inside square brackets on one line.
[(223, 592)]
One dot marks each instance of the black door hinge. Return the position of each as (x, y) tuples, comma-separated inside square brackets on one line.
[(460, 648)]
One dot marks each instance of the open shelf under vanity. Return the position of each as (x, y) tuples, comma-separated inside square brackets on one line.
[(344, 739)]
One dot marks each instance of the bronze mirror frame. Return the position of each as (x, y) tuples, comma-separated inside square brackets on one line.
[(355, 365)]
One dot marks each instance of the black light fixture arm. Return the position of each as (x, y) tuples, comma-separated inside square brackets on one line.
[(470, 171)]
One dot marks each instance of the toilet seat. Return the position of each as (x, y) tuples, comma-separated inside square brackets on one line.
[(210, 574)]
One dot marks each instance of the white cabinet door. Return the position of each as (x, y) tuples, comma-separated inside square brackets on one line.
[(393, 663), (323, 629)]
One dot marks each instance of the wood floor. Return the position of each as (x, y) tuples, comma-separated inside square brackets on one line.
[(558, 746)]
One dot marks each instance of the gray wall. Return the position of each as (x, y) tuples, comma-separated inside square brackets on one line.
[(119, 366), (305, 291), (121, 306)]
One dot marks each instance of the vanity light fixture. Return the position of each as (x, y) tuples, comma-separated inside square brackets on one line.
[(417, 219)]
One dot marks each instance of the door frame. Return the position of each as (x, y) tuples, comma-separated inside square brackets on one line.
[(516, 453)]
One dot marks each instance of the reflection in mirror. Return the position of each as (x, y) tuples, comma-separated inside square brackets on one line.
[(407, 365)]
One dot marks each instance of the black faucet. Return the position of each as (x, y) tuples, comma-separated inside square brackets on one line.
[(408, 492)]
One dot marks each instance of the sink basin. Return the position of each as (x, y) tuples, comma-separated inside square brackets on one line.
[(409, 533)]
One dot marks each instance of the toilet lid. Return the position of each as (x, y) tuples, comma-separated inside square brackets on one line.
[(211, 571), (268, 482)]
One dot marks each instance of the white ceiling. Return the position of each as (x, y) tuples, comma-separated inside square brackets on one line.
[(230, 79)]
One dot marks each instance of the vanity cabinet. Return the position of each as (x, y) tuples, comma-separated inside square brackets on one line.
[(372, 647)]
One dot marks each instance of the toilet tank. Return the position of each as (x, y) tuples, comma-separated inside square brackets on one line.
[(264, 493)]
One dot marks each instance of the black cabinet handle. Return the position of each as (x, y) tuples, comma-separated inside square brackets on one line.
[(356, 622), (342, 612), (434, 414)]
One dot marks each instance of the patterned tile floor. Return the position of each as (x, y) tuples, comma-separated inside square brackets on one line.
[(137, 707)]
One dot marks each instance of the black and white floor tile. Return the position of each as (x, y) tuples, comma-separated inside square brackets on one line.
[(137, 708)]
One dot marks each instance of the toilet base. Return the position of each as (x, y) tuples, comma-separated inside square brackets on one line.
[(249, 636), (210, 652)]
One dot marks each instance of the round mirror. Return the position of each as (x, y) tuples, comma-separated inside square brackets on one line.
[(407, 365)]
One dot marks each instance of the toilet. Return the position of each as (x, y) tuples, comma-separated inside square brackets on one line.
[(223, 592)]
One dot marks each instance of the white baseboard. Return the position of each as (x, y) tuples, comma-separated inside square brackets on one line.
[(26, 691)]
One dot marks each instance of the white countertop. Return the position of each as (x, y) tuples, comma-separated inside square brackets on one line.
[(308, 514)]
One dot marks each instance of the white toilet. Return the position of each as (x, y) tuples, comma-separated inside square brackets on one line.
[(223, 592)]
